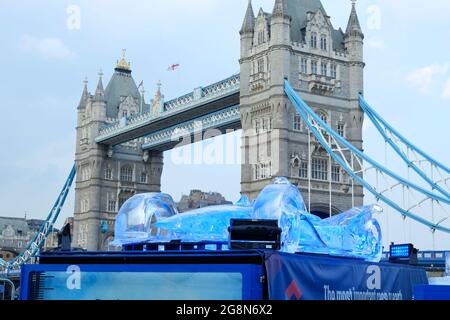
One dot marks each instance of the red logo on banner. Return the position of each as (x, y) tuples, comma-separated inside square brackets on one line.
[(293, 291)]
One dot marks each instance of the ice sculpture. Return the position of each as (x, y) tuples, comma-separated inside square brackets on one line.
[(135, 220), (355, 233)]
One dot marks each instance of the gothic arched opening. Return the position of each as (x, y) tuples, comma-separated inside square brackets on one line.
[(323, 210)]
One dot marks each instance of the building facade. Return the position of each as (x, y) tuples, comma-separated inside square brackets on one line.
[(298, 42), (107, 177), (198, 199), (16, 234)]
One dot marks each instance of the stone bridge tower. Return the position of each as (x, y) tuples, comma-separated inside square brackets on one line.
[(297, 41), (107, 177)]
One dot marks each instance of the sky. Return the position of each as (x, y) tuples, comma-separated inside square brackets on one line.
[(49, 47)]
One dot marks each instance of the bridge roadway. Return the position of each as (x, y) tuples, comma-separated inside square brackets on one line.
[(215, 106)]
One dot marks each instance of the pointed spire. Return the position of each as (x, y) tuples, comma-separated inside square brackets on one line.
[(157, 100), (249, 21), (100, 92), (280, 9), (353, 26), (159, 84), (84, 95)]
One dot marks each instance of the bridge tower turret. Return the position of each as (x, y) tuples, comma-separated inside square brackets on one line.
[(354, 45), (107, 176), (298, 42)]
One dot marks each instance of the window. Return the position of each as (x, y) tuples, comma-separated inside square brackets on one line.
[(341, 129), (323, 43), (314, 67), (324, 69), (336, 174), (333, 71), (263, 171), (320, 169), (303, 170), (265, 125), (85, 173), (304, 66), (84, 205), (298, 123), (260, 65), (324, 117), (108, 174), (261, 38), (144, 177), (122, 200), (257, 126), (257, 171), (124, 113), (82, 235), (112, 205), (126, 174), (313, 41)]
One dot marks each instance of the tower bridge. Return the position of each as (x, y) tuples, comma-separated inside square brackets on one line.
[(299, 102), (216, 106), (121, 138)]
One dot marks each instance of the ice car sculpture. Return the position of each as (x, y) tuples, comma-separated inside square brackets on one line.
[(355, 233)]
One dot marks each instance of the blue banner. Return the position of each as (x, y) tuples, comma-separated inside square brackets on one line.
[(308, 277)]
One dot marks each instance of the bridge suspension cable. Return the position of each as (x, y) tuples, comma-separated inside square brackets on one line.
[(36, 244), (352, 160), (406, 149)]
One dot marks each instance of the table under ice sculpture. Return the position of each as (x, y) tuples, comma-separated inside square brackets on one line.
[(154, 218)]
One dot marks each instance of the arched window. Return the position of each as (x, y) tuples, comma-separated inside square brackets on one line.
[(341, 129), (323, 116), (295, 167), (313, 67), (323, 42), (144, 177), (313, 41), (84, 205), (126, 174), (324, 69), (261, 37)]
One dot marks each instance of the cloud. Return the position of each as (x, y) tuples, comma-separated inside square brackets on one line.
[(446, 91), (49, 48), (423, 77)]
